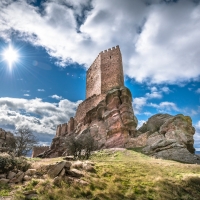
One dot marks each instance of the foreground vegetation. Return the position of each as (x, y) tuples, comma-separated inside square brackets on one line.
[(120, 174)]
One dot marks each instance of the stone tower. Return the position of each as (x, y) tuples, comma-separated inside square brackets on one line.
[(106, 113), (105, 73)]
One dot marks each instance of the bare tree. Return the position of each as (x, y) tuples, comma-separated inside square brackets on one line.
[(24, 140)]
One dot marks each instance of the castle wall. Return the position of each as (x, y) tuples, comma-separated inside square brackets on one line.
[(93, 80), (58, 130), (64, 129), (111, 69), (70, 125), (87, 105), (38, 150)]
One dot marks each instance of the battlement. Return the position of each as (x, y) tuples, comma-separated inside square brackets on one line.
[(111, 49), (38, 150)]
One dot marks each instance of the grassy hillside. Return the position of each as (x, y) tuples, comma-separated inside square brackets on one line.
[(123, 175)]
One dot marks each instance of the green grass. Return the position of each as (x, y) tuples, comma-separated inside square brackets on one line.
[(4, 190), (127, 175)]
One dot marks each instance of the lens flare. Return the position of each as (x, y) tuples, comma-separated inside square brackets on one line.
[(10, 55)]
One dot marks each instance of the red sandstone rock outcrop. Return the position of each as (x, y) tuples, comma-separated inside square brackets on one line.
[(112, 123), (168, 137)]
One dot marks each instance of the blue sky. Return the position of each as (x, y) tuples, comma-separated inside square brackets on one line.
[(57, 41)]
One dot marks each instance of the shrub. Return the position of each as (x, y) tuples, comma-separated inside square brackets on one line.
[(82, 145), (8, 162)]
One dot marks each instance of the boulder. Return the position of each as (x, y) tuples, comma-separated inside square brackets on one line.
[(57, 181), (168, 137), (2, 176), (27, 178), (4, 180), (78, 165), (88, 167), (30, 172), (56, 169), (68, 165), (68, 158), (62, 173), (11, 175), (18, 177), (75, 173)]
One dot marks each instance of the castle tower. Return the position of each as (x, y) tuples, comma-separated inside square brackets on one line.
[(105, 73)]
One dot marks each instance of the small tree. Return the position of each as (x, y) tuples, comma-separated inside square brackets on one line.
[(24, 140), (81, 146)]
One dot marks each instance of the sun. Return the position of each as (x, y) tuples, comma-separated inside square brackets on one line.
[(10, 55)]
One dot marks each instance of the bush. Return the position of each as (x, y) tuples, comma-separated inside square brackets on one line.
[(81, 146), (8, 162)]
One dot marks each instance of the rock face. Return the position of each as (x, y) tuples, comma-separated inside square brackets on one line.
[(112, 123), (7, 140), (168, 137)]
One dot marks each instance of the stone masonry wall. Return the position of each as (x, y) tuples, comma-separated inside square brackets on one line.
[(111, 69), (93, 80), (87, 105), (38, 150), (61, 129), (105, 73)]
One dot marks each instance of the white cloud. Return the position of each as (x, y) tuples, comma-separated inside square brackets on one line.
[(166, 90), (138, 104), (197, 136), (39, 116), (26, 95), (148, 113), (154, 89), (198, 91), (164, 106), (154, 95), (140, 123), (40, 90), (27, 91), (55, 96), (198, 125), (151, 36)]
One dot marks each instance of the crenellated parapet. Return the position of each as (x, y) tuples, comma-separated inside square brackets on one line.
[(66, 128)]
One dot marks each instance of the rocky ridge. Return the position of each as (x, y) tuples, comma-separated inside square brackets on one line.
[(113, 124)]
